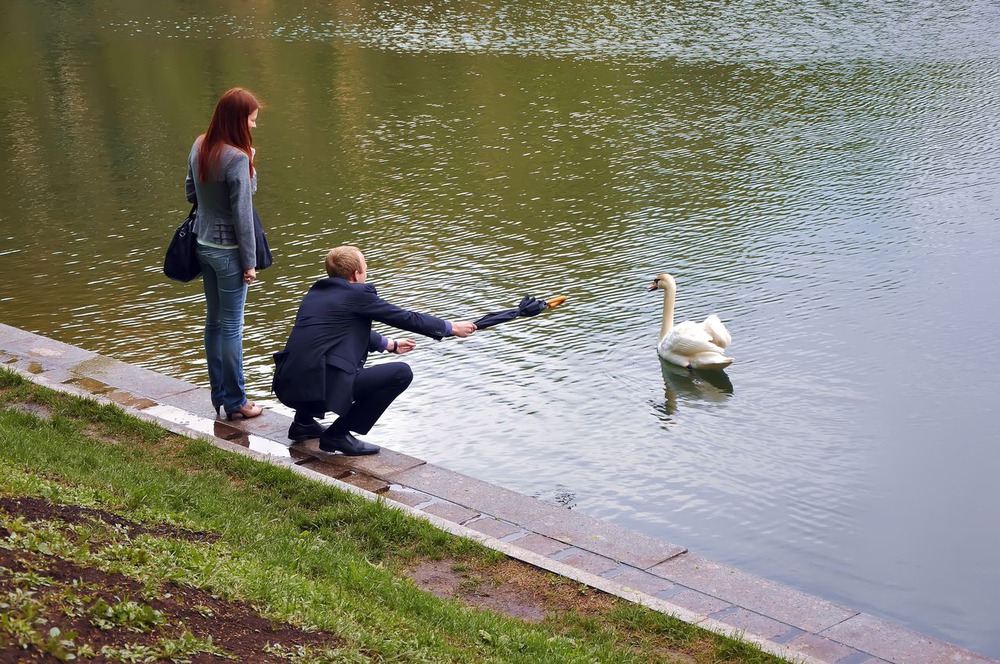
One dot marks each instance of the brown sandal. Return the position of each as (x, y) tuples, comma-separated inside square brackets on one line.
[(249, 409)]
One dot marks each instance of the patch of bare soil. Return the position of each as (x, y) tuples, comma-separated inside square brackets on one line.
[(43, 591), (511, 587), (38, 410), (522, 591), (37, 509)]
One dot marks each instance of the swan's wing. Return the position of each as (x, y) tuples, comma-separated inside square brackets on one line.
[(717, 331), (688, 339)]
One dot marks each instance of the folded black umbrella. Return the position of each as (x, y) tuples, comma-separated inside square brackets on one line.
[(529, 306)]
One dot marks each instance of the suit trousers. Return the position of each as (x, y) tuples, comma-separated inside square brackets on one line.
[(375, 388)]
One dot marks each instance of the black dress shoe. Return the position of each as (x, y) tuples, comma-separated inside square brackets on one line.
[(299, 432), (346, 444)]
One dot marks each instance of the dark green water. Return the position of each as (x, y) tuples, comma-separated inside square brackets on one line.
[(823, 177)]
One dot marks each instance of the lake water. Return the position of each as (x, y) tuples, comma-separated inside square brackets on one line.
[(822, 176)]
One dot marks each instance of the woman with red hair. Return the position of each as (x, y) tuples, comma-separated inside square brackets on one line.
[(221, 180)]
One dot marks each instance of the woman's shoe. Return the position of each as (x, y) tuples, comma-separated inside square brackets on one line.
[(249, 409), (218, 410)]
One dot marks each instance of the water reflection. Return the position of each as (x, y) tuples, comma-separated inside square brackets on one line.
[(686, 385)]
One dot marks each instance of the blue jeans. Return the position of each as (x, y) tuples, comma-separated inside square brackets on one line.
[(225, 295)]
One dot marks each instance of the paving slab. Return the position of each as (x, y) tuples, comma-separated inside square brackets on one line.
[(190, 420), (318, 466), (129, 400), (405, 496), (470, 492), (219, 429), (14, 335), (862, 658), (197, 400), (451, 511), (756, 624), (383, 465), (268, 424), (225, 431), (43, 370), (757, 594), (49, 374), (822, 648), (556, 522), (35, 347), (91, 385), (494, 527), (129, 377), (587, 561), (693, 600), (603, 538), (266, 446), (898, 644), (644, 582), (540, 544), (366, 482)]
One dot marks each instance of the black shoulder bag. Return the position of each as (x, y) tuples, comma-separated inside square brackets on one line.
[(264, 258), (181, 261)]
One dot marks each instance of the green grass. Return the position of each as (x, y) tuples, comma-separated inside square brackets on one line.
[(299, 551)]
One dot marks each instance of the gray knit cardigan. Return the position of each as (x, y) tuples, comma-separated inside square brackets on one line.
[(225, 205)]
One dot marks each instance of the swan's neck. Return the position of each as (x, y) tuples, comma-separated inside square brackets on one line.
[(668, 311)]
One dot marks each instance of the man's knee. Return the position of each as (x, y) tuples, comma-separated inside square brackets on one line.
[(403, 375)]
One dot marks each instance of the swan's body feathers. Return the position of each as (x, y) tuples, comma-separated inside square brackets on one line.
[(720, 335), (689, 338), (689, 344)]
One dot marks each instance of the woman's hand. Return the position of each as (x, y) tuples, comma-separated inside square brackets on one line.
[(249, 276)]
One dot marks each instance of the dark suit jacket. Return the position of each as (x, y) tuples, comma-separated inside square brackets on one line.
[(333, 328)]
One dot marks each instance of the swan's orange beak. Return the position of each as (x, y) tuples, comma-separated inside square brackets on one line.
[(653, 286), (556, 301)]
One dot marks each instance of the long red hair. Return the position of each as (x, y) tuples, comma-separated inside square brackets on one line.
[(229, 126)]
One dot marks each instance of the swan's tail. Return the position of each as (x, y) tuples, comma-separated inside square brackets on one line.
[(711, 362)]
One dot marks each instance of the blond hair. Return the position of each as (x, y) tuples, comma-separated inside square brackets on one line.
[(343, 261)]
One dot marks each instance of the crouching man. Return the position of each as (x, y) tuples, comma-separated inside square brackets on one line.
[(322, 368)]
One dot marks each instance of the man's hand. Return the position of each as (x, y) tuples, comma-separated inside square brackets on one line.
[(404, 346), (462, 328)]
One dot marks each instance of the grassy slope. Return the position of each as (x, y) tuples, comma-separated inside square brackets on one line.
[(299, 551)]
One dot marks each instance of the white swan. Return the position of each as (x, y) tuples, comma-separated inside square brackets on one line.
[(689, 344)]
